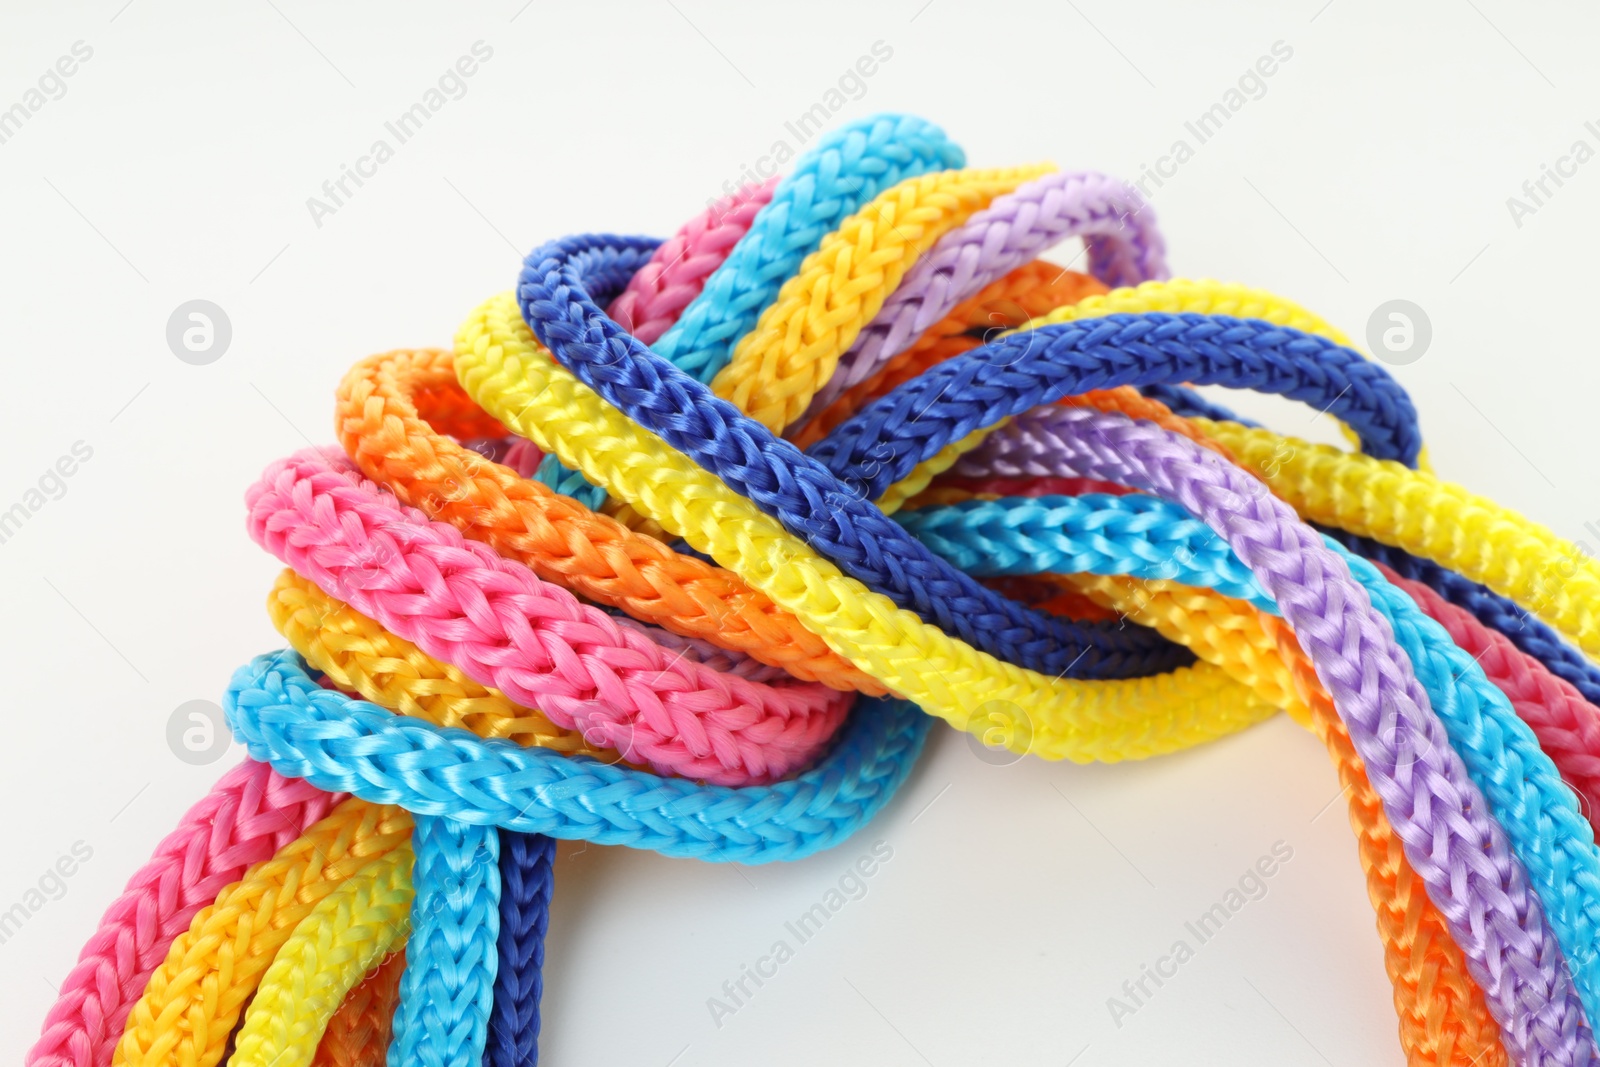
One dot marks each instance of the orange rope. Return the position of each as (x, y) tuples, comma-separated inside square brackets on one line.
[(358, 1033), (1443, 1016), (1051, 593), (393, 411), (1031, 290)]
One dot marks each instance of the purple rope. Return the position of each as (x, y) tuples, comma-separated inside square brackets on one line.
[(1442, 819), (1119, 228), (1029, 446)]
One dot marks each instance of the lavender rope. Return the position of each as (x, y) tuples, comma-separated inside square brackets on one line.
[(1441, 817), (1116, 223), (1029, 446)]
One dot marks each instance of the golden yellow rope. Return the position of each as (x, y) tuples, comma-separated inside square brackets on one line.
[(360, 655), (778, 367), (193, 999)]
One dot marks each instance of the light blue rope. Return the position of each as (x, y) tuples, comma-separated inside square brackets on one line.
[(1524, 790), (447, 988), (342, 744), (568, 482), (846, 169), (1096, 533)]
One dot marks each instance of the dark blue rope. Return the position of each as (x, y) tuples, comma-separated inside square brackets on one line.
[(527, 878), (558, 290), (1488, 607), (881, 443)]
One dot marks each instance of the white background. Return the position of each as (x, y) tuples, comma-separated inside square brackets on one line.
[(177, 165)]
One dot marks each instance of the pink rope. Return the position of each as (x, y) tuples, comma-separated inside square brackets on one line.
[(678, 270), (246, 818), (537, 643)]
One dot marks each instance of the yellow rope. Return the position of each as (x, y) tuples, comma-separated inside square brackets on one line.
[(1426, 516), (778, 367), (333, 948), (505, 370), (192, 1000)]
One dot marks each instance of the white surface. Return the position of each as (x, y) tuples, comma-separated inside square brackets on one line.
[(1018, 899)]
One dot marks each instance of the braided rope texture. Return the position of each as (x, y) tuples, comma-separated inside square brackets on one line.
[(657, 294), (1078, 467), (396, 415), (571, 581), (527, 879), (212, 969), (810, 501), (358, 1034), (795, 346), (1494, 745), (504, 371), (361, 656), (846, 169), (1117, 226), (445, 993), (1572, 880), (348, 933), (249, 816), (1005, 303), (1434, 519), (1006, 377), (1442, 1014), (1490, 608), (459, 601), (1475, 879), (837, 289), (1557, 715), (283, 716), (1130, 535)]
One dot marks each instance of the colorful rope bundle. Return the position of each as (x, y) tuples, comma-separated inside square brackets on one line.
[(683, 543)]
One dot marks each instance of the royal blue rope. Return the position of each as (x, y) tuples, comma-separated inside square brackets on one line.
[(527, 879), (845, 170), (1190, 404), (559, 288), (881, 443)]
